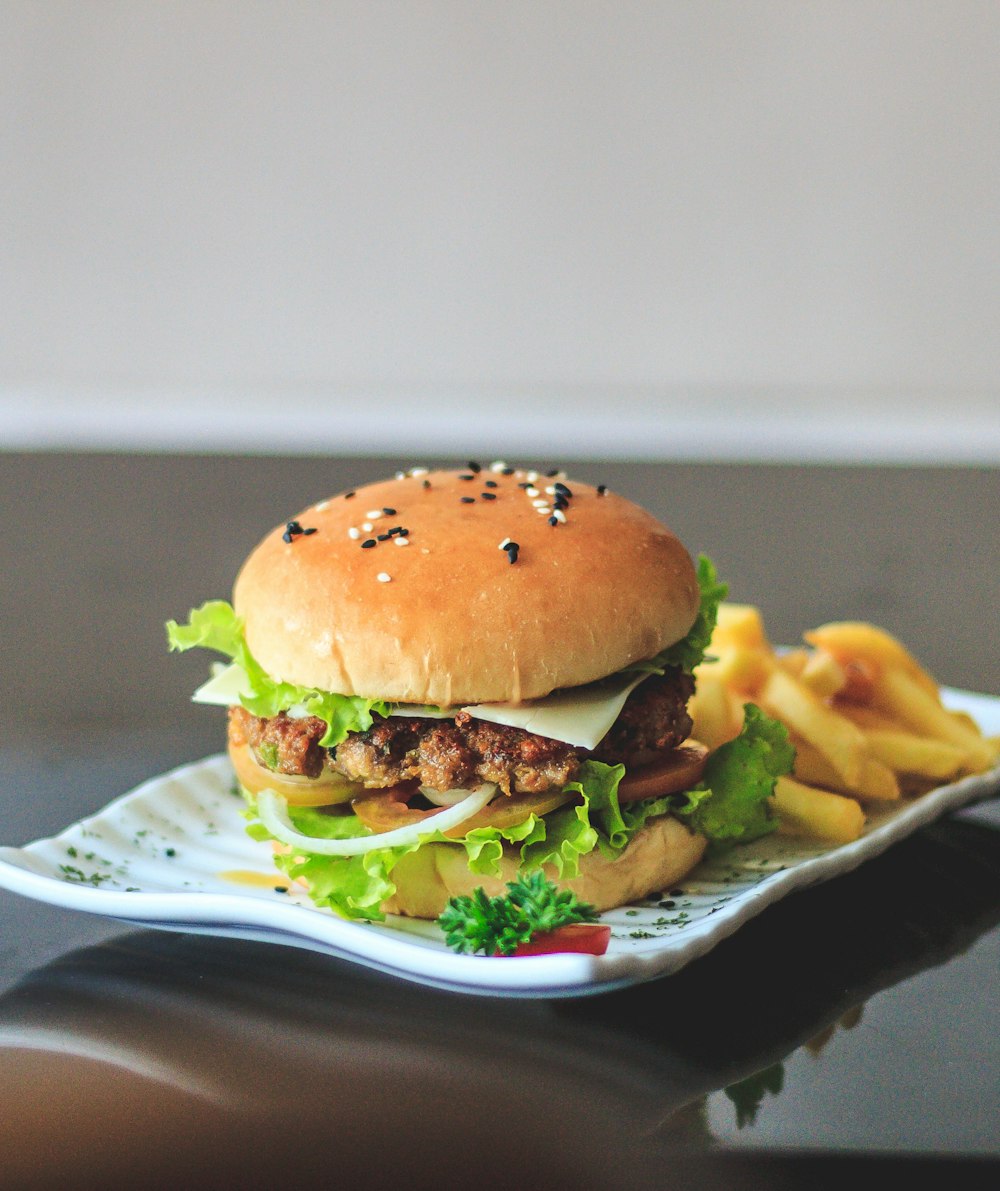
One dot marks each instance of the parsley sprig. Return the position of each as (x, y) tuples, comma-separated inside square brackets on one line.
[(533, 905)]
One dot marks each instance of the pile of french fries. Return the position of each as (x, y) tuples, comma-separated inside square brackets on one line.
[(866, 719)]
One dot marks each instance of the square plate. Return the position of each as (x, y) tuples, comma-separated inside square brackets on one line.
[(174, 854)]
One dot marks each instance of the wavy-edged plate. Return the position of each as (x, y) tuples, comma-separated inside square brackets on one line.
[(174, 854)]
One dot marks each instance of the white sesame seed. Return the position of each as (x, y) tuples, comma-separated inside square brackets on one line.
[(550, 490), (531, 476), (367, 526), (418, 471), (354, 532), (531, 492), (322, 506), (497, 465), (544, 510), (373, 514), (401, 541), (541, 503), (504, 544), (424, 550), (383, 577), (560, 516)]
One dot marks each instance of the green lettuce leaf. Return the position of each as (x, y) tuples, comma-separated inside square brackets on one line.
[(216, 626), (740, 777), (690, 650)]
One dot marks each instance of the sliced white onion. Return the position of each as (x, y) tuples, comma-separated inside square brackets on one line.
[(273, 812), (443, 797)]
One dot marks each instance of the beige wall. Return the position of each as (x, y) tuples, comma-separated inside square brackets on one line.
[(640, 227)]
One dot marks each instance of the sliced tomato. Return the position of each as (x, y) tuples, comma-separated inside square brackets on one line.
[(679, 770), (588, 938), (382, 810)]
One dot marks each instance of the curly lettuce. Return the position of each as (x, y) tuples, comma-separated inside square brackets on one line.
[(216, 626)]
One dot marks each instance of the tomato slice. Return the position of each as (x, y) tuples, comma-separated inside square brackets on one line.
[(679, 770), (382, 810), (587, 938)]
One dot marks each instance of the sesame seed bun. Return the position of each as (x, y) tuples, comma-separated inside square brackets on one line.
[(660, 855), (447, 618)]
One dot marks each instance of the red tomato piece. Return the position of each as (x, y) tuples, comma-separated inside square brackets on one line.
[(589, 938)]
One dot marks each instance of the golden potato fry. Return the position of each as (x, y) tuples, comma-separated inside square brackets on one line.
[(876, 782), (898, 694), (918, 756), (794, 661), (817, 814), (854, 640), (739, 625), (867, 717), (717, 712), (823, 674), (743, 670), (840, 741)]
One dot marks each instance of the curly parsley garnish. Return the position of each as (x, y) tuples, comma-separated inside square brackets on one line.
[(533, 905)]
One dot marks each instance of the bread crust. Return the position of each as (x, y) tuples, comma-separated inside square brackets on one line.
[(660, 854), (456, 622)]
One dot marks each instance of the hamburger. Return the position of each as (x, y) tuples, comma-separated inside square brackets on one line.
[(448, 678)]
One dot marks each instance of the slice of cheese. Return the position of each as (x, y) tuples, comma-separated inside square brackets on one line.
[(581, 716)]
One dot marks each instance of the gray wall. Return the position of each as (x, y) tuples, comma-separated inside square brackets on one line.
[(626, 227)]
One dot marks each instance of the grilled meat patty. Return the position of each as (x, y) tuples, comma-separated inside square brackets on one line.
[(463, 752)]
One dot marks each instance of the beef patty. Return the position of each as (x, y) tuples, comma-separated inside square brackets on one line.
[(463, 752)]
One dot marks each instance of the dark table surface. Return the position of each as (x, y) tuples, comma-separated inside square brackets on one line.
[(851, 1027)]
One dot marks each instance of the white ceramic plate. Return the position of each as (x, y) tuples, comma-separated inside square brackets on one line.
[(174, 854)]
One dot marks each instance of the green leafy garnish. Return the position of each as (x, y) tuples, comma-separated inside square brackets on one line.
[(740, 776), (533, 905), (216, 626)]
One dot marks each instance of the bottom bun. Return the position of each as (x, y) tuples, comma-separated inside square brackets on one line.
[(659, 855)]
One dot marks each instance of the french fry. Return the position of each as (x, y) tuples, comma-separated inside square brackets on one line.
[(854, 640), (876, 782), (817, 814), (742, 669), (897, 693), (717, 713), (739, 625), (823, 674), (794, 661), (917, 756), (840, 741)]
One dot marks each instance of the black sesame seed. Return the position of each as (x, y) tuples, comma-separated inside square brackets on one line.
[(560, 502), (511, 550), (389, 512), (488, 495), (507, 471), (171, 852), (280, 888), (427, 483), (294, 530), (562, 490), (553, 472), (525, 484), (601, 489), (348, 495), (468, 500), (553, 521), (396, 529), (467, 476), (490, 483), (383, 537), (367, 543), (473, 466)]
